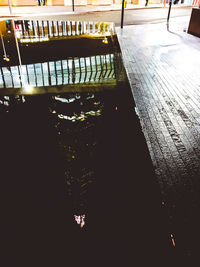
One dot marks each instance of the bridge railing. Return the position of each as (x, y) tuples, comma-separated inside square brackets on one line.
[(37, 30), (62, 72)]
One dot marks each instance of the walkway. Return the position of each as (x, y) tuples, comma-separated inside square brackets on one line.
[(58, 10), (163, 70)]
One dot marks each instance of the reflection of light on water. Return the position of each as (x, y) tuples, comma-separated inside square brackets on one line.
[(89, 97), (6, 103), (81, 117), (27, 89), (173, 241), (6, 58), (72, 99), (17, 34), (80, 220), (65, 100), (34, 40), (23, 99), (105, 40)]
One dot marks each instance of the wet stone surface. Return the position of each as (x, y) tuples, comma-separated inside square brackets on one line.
[(163, 73)]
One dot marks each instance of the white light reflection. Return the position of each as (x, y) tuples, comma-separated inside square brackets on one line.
[(65, 100), (6, 58), (105, 40), (28, 89), (17, 34), (81, 117), (80, 220), (33, 40)]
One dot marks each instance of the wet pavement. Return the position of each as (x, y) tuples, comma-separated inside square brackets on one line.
[(162, 64)]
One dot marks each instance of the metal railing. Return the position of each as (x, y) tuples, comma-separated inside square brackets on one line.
[(62, 72), (44, 29)]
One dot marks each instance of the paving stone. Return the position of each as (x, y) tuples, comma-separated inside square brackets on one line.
[(165, 82)]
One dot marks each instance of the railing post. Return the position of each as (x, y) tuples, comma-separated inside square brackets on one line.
[(10, 7), (170, 5), (122, 14)]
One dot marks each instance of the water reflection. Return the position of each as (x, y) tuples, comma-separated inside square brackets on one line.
[(58, 101), (76, 120), (50, 55), (61, 72)]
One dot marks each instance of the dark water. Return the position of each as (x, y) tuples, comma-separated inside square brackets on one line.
[(92, 140), (96, 146)]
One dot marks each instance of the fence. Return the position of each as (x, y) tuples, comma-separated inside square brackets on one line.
[(62, 72), (34, 30)]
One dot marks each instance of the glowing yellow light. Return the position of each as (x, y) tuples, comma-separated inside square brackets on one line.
[(6, 59), (105, 40), (28, 88)]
